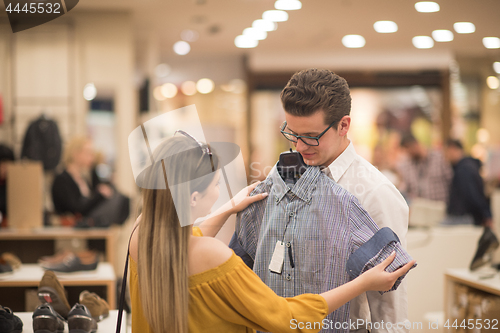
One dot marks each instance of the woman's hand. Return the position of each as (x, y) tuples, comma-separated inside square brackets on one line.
[(244, 200), (378, 279)]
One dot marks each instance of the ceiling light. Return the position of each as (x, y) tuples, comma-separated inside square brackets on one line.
[(442, 35), (245, 42), (182, 47), (188, 88), (496, 67), (288, 4), (385, 27), (189, 35), (464, 27), (205, 86), (158, 95), (89, 91), (275, 15), (162, 70), (255, 33), (423, 42), (353, 41), (491, 42), (427, 7), (264, 25), (169, 90), (493, 82)]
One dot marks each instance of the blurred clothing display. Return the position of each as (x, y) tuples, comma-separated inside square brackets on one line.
[(42, 142)]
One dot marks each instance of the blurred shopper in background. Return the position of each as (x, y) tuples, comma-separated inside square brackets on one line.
[(467, 202), (73, 192), (425, 173)]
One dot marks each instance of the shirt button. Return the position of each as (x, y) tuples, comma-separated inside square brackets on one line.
[(288, 244), (291, 214), (288, 277)]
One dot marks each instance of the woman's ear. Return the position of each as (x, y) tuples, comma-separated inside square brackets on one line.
[(194, 198)]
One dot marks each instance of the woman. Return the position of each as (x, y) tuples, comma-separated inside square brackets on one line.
[(181, 282), (73, 193)]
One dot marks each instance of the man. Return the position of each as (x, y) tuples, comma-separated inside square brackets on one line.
[(317, 105), (467, 203), (425, 173)]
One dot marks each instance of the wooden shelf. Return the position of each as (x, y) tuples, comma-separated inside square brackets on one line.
[(29, 275)]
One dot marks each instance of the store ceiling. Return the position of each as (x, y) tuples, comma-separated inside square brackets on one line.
[(313, 32)]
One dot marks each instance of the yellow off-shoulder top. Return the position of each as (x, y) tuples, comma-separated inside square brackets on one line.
[(232, 298)]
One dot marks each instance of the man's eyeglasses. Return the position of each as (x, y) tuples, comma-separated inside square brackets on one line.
[(308, 140), (205, 150)]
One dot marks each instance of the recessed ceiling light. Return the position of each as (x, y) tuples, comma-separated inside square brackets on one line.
[(182, 47), (427, 7), (264, 25), (423, 42), (188, 88), (89, 91), (275, 15), (442, 35), (162, 70), (353, 41), (245, 42), (158, 95), (189, 35), (288, 4), (491, 42), (385, 27), (254, 33), (205, 86), (169, 90), (493, 82), (496, 67), (464, 27)]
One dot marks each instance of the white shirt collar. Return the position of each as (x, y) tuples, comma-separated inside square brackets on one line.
[(340, 165)]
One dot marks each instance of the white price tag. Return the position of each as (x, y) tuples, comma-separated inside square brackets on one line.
[(278, 258)]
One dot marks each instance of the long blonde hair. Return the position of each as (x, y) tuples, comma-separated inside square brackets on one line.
[(163, 243)]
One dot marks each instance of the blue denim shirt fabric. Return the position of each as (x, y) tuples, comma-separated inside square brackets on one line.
[(374, 251)]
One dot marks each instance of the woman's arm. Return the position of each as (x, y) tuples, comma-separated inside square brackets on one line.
[(374, 279), (211, 226)]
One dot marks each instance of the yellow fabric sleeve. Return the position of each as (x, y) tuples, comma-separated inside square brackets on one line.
[(236, 294)]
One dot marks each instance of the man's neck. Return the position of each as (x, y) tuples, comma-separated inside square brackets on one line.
[(343, 146)]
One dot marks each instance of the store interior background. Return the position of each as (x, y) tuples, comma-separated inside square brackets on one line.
[(117, 46)]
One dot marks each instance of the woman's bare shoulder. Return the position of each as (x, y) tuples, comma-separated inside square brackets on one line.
[(206, 253)]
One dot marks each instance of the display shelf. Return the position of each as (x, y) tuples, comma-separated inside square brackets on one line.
[(30, 275), (105, 326)]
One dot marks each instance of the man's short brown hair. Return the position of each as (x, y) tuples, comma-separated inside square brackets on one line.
[(314, 89)]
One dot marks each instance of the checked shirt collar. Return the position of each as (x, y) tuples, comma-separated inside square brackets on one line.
[(303, 188)]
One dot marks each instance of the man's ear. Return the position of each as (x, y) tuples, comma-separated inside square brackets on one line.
[(344, 125), (194, 198)]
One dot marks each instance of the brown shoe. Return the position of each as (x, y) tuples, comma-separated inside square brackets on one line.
[(12, 260), (50, 290), (98, 307)]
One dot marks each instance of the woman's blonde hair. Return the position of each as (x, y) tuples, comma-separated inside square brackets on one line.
[(74, 145), (163, 243)]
